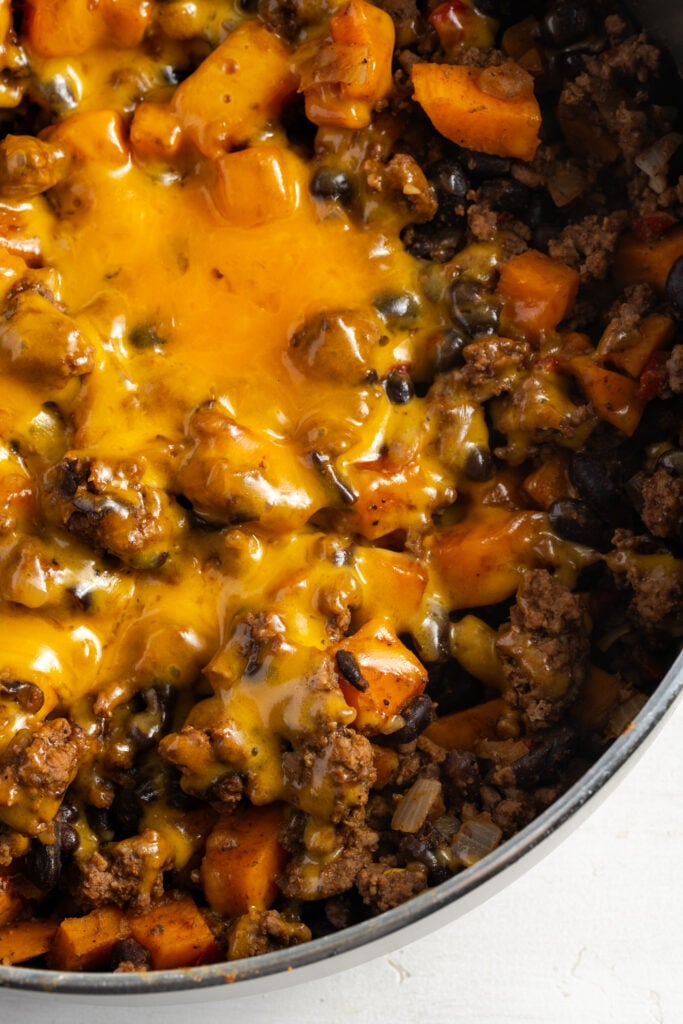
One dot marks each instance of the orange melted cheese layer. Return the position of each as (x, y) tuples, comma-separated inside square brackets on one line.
[(133, 253), (217, 308)]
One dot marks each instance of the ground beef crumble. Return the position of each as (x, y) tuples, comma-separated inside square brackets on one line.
[(544, 650)]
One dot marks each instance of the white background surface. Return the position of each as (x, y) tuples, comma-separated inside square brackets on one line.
[(591, 935)]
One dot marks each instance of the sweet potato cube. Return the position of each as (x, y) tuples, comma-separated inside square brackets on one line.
[(10, 904), (458, 108), (393, 584), (63, 28), (25, 940), (378, 675), (614, 397), (127, 20), (480, 559), (86, 943), (175, 934), (352, 71), (652, 334), (243, 859), (537, 292), (464, 729), (648, 262), (155, 132), (596, 698), (95, 135), (550, 481), (256, 186), (236, 90)]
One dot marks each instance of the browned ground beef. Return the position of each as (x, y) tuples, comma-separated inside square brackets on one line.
[(663, 504), (383, 887), (127, 873), (544, 650)]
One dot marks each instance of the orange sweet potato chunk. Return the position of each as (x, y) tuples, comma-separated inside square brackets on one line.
[(351, 71), (451, 96), (86, 943), (391, 675), (64, 28), (175, 934), (256, 186), (614, 397), (236, 90), (481, 558), (25, 940), (463, 729), (648, 262), (243, 859), (652, 334), (537, 292)]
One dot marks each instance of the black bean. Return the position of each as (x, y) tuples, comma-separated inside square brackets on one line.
[(593, 480), (446, 349), (351, 671), (485, 165), (473, 309), (462, 771), (479, 465), (99, 820), (566, 22), (128, 951), (543, 763), (43, 864), (414, 849), (569, 63), (448, 178), (431, 242), (671, 461), (399, 309), (674, 287), (453, 689), (126, 812), (145, 336), (27, 695), (68, 812), (489, 8), (332, 183), (541, 209), (573, 520), (147, 726), (417, 715), (68, 838), (506, 194), (325, 466), (399, 387), (542, 235)]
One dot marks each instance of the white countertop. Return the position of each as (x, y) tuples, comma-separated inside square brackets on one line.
[(593, 934)]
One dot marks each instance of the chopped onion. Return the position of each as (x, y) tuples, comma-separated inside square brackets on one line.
[(611, 637), (622, 717), (412, 810), (566, 184), (476, 839), (338, 64), (655, 160)]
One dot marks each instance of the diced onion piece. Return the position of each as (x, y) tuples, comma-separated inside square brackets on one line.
[(622, 717), (655, 160), (477, 838), (412, 810)]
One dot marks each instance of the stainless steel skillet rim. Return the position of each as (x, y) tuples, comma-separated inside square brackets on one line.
[(285, 962)]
